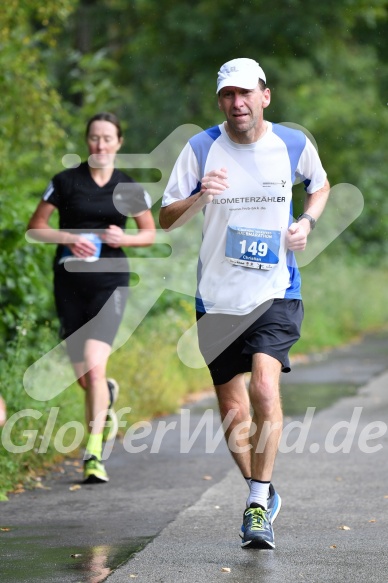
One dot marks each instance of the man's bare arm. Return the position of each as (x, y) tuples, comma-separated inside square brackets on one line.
[(178, 213), (296, 238), (316, 202)]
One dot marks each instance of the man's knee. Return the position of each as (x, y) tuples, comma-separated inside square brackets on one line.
[(264, 395)]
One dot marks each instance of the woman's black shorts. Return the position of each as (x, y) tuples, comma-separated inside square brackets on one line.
[(89, 307), (227, 342)]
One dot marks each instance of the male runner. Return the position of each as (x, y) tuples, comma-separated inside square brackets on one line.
[(249, 308)]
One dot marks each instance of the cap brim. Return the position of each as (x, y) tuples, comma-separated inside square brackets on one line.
[(237, 81)]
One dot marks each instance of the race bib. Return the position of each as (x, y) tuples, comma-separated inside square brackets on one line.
[(250, 247)]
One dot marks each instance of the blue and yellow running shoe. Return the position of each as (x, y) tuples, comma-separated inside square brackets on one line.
[(258, 532), (273, 508)]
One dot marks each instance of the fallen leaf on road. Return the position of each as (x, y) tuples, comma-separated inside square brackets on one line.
[(19, 491), (225, 569), (41, 486), (75, 487), (343, 527), (207, 478), (372, 520), (333, 546)]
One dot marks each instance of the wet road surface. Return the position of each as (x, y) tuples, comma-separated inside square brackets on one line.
[(67, 532)]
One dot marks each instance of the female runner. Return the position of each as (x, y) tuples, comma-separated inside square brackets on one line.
[(91, 272)]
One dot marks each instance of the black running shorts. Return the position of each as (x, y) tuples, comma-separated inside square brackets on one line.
[(227, 342), (87, 310)]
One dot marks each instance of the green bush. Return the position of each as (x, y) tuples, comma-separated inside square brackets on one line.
[(342, 298)]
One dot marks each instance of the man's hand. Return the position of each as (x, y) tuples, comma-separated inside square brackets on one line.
[(213, 183), (179, 212), (296, 236)]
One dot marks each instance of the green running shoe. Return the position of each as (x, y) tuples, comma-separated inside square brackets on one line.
[(94, 471), (111, 423)]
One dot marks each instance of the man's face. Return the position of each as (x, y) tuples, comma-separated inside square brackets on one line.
[(243, 109)]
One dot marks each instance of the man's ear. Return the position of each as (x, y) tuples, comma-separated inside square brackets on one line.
[(267, 97)]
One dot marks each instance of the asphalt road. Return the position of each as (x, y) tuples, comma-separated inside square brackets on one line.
[(180, 499)]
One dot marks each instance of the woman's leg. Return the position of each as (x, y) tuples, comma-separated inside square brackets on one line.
[(3, 412), (97, 395)]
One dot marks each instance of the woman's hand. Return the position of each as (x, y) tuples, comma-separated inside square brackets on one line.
[(81, 247), (114, 236)]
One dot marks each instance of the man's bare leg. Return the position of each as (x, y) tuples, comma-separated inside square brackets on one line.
[(233, 400)]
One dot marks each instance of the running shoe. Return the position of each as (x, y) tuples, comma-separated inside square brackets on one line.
[(94, 471), (111, 423), (274, 503), (258, 532), (273, 507)]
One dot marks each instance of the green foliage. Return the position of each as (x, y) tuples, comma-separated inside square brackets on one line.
[(343, 298), (31, 107), (30, 131), (27, 417), (25, 278)]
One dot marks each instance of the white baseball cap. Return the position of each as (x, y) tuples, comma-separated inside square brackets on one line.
[(244, 73)]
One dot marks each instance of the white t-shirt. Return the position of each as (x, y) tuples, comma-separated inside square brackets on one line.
[(243, 259)]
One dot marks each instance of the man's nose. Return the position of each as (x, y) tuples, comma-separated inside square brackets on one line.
[(238, 100)]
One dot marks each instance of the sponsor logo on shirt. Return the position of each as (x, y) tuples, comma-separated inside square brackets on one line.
[(282, 183), (248, 199)]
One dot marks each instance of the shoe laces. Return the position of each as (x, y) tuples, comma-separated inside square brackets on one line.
[(93, 463), (257, 518)]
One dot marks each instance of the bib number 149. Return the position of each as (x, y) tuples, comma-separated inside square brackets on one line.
[(251, 247), (255, 248)]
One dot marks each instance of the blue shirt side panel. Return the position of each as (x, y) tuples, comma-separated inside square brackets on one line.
[(293, 292), (295, 142), (199, 304), (196, 189), (201, 144)]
